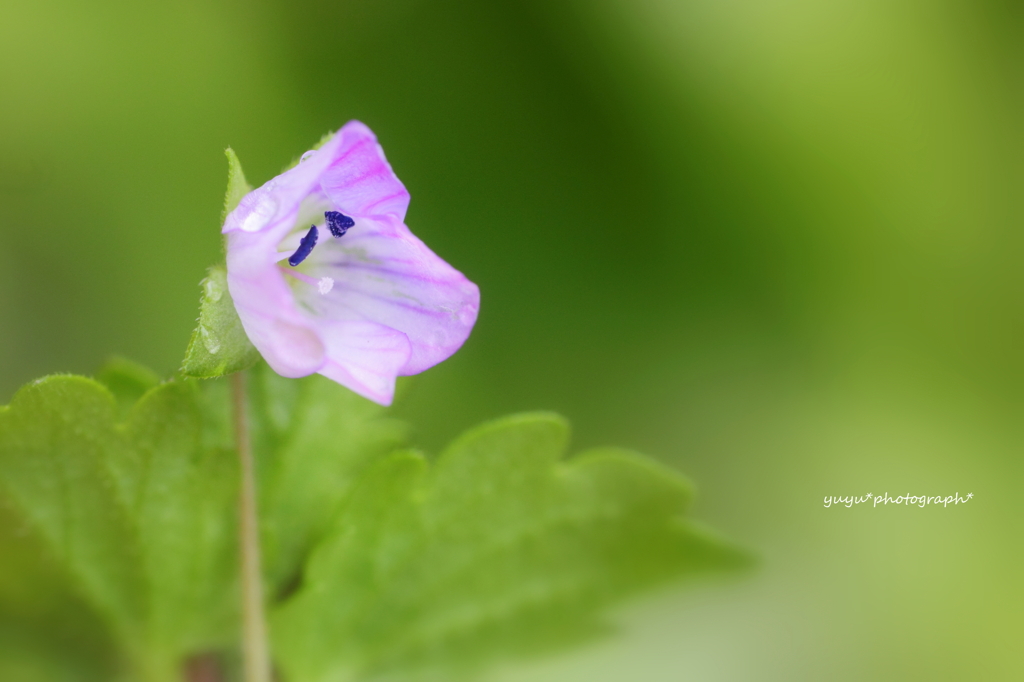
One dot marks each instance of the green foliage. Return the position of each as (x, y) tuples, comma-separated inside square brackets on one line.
[(376, 562), (138, 514), (127, 381), (219, 344), (34, 644), (497, 549)]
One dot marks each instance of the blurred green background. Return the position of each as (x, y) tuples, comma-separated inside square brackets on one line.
[(775, 244)]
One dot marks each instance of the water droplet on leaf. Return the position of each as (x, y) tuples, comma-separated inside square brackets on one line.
[(209, 340), (213, 290)]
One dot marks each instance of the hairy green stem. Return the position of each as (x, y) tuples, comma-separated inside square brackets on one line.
[(255, 652)]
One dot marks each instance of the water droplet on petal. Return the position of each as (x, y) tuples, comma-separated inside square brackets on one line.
[(261, 214), (308, 154), (325, 285)]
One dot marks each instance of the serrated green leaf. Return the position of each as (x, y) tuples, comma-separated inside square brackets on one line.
[(127, 381), (138, 514), (219, 345), (500, 548), (139, 511), (55, 438)]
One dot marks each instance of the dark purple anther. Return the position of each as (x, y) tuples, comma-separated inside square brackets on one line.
[(305, 247), (338, 223)]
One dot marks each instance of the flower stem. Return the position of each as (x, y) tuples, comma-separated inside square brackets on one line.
[(255, 653)]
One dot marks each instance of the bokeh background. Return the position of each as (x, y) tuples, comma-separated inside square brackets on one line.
[(775, 244)]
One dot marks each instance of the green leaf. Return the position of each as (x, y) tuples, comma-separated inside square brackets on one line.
[(117, 532), (219, 345), (127, 381), (34, 644), (139, 515), (138, 511), (498, 549), (54, 441)]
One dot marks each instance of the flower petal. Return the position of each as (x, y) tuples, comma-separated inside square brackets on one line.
[(285, 338), (365, 357), (382, 273), (359, 180), (362, 308)]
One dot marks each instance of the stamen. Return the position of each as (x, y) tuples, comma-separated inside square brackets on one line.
[(338, 223), (306, 245)]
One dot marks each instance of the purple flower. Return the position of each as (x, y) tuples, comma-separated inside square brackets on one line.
[(327, 278)]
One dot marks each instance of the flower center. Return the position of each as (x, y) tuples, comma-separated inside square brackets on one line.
[(338, 223)]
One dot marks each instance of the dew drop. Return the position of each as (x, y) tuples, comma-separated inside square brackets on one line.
[(308, 154), (260, 214), (209, 340), (213, 290), (325, 285)]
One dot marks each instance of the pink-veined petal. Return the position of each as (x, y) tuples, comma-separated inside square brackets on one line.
[(382, 273), (365, 357), (359, 180), (364, 308)]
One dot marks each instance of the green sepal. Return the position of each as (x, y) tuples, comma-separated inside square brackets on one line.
[(219, 345), (237, 186)]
